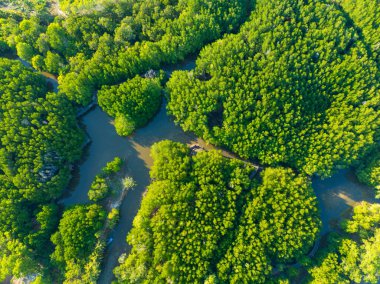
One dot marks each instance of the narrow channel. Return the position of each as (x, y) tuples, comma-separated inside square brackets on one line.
[(336, 195), (135, 150)]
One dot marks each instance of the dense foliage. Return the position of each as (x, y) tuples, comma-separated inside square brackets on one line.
[(76, 239), (147, 34), (133, 103), (83, 229), (76, 5), (26, 7), (101, 187), (111, 41), (350, 259), (295, 86), (279, 225), (15, 258), (21, 21), (39, 134), (368, 171), (203, 215), (39, 139), (366, 16)]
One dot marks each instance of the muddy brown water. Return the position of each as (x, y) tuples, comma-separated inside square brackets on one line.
[(135, 150), (106, 145), (336, 195)]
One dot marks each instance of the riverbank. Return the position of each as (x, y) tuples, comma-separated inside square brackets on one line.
[(336, 195), (106, 144), (136, 151)]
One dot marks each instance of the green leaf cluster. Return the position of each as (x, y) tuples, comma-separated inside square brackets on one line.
[(77, 237), (102, 184), (39, 140), (204, 218), (133, 103), (296, 86), (141, 35), (353, 257), (368, 170), (279, 225), (366, 16)]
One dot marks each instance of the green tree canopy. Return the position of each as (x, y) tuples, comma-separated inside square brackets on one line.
[(295, 86), (352, 257), (203, 217), (368, 170), (76, 238), (25, 51), (366, 16), (133, 103), (15, 258), (39, 138)]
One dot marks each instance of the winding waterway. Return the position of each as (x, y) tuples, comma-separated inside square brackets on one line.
[(135, 150), (336, 195)]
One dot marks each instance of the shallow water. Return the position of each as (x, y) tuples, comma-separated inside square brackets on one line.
[(106, 145), (135, 150), (336, 195)]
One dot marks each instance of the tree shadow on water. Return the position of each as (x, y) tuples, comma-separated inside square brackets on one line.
[(136, 151)]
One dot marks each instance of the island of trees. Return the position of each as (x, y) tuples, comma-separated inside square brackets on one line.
[(91, 45), (205, 217), (290, 85)]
